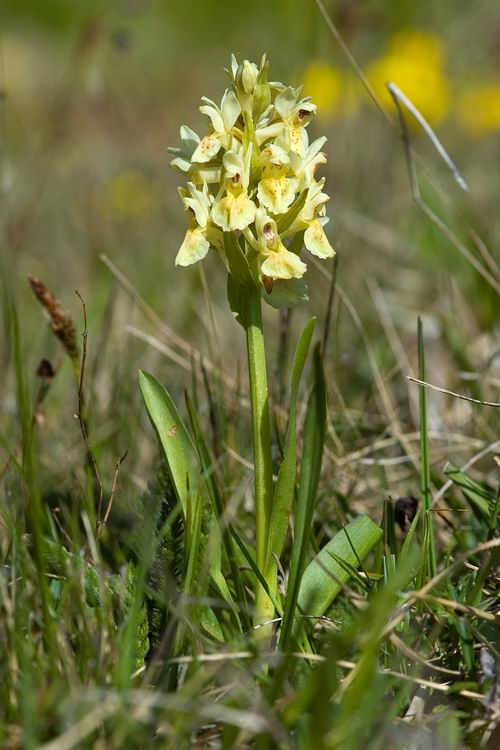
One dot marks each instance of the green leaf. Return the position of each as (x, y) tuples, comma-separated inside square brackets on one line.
[(352, 572), (239, 267), (174, 438), (286, 293), (285, 484), (236, 298), (480, 500), (210, 624), (323, 577), (216, 500), (412, 551), (425, 471), (191, 583), (253, 565), (314, 437), (287, 219), (250, 139)]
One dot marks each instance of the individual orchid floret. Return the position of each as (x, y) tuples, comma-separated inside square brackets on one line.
[(304, 167), (279, 262), (183, 155), (196, 244), (296, 114), (197, 173), (311, 220), (235, 211), (223, 121), (276, 189)]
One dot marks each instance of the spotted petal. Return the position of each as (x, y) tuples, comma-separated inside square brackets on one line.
[(207, 149), (234, 212), (316, 240), (276, 193), (266, 132)]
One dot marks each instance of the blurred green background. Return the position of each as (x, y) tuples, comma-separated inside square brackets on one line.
[(93, 91)]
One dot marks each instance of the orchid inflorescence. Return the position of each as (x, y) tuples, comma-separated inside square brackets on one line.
[(251, 179)]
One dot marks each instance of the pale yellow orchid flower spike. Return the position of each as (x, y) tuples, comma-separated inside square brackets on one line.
[(252, 190)]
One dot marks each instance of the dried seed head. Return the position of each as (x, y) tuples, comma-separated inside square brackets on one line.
[(45, 370), (60, 322), (405, 510)]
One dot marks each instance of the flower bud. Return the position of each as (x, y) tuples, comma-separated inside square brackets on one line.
[(249, 76), (262, 90)]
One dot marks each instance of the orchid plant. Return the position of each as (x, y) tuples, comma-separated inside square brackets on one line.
[(252, 195)]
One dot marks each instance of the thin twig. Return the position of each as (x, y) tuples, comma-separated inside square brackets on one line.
[(80, 415), (396, 93), (481, 246), (212, 412), (434, 218), (352, 61), (111, 494), (452, 393), (344, 664), (458, 607), (386, 398), (413, 156), (83, 428), (165, 330)]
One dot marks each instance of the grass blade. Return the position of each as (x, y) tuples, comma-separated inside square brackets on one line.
[(285, 484), (258, 574), (218, 506), (425, 470), (481, 501), (314, 437)]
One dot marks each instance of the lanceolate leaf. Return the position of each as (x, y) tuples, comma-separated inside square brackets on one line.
[(314, 436), (323, 577), (174, 438), (285, 485)]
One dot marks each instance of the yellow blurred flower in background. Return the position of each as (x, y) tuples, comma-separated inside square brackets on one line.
[(479, 109), (415, 62), (332, 90)]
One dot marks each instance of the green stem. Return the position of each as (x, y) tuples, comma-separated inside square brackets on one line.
[(261, 440)]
